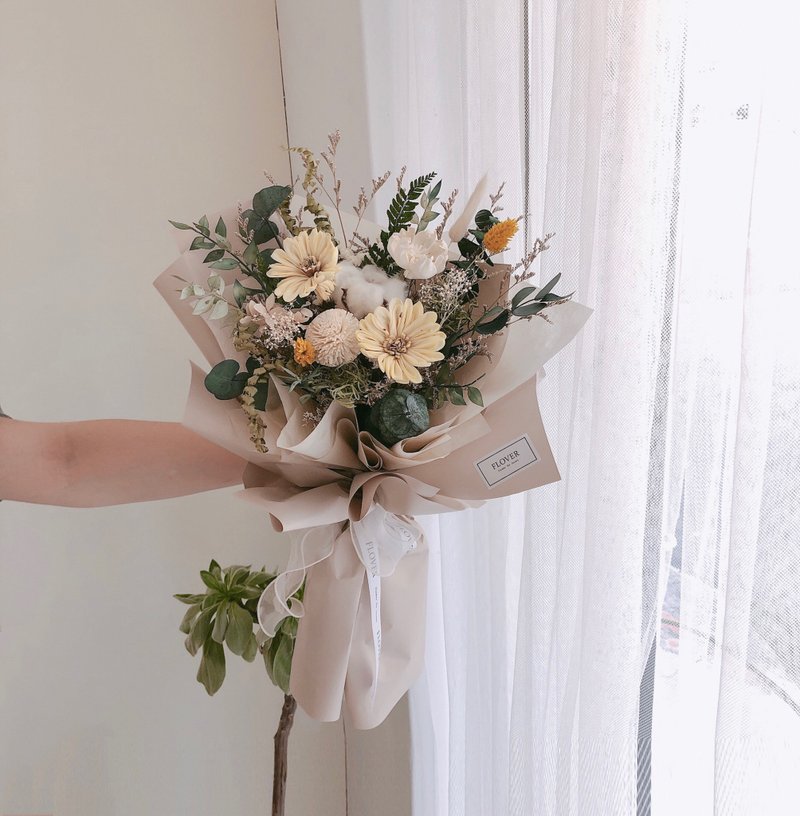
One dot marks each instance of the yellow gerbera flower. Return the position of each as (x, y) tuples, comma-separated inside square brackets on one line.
[(307, 264), (499, 236), (402, 339), (304, 352)]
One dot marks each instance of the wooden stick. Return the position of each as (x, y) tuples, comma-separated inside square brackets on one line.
[(282, 755)]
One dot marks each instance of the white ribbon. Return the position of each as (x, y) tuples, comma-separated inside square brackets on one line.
[(380, 539)]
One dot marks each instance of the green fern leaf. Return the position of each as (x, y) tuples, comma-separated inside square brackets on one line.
[(401, 210)]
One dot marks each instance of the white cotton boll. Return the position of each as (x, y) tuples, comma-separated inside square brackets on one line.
[(394, 288), (362, 291), (363, 298)]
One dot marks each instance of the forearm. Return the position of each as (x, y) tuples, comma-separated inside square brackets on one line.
[(105, 462)]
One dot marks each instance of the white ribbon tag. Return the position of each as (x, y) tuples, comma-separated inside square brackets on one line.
[(381, 539)]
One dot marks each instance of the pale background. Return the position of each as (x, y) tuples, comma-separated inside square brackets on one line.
[(117, 116)]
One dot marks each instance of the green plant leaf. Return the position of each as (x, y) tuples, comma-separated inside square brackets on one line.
[(225, 264), (521, 295), (189, 599), (211, 581), (180, 226), (200, 631), (282, 663), (221, 229), (220, 622), (266, 201), (225, 381), (201, 243), (401, 210), (191, 614), (214, 255), (548, 287), (475, 395), (493, 325), (456, 396), (240, 627), (484, 220), (529, 309), (251, 253), (211, 672), (264, 230), (251, 650)]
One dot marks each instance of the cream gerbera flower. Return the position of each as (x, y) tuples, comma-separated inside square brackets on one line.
[(307, 264), (402, 339)]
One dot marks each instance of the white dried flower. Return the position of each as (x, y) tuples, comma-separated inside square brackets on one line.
[(361, 291), (333, 336), (274, 325), (420, 254)]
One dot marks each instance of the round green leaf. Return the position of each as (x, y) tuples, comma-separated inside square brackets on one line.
[(224, 380)]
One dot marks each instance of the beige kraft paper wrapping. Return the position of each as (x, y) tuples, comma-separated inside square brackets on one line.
[(331, 474)]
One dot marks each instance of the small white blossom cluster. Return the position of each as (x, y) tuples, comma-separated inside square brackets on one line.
[(274, 326), (445, 293)]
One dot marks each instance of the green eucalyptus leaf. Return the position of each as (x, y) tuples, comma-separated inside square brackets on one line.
[(548, 287), (225, 264), (400, 414), (211, 672), (456, 396), (262, 228), (484, 220), (201, 243), (251, 253), (529, 309), (221, 229), (180, 226), (266, 201), (521, 295), (475, 395), (225, 381), (494, 325), (260, 397), (214, 255)]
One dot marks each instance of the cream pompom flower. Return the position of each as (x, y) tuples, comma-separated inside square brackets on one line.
[(307, 264), (402, 339), (333, 335)]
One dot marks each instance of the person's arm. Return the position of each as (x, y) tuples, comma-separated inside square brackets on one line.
[(104, 462)]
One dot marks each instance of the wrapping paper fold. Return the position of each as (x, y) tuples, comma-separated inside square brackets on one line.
[(332, 475)]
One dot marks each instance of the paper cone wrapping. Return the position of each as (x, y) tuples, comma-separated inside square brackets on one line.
[(468, 455)]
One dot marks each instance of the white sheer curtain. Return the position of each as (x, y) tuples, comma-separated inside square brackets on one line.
[(649, 599)]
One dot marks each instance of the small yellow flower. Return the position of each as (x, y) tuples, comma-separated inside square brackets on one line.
[(402, 339), (499, 236), (304, 352)]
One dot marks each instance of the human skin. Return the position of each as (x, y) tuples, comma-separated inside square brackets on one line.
[(105, 462)]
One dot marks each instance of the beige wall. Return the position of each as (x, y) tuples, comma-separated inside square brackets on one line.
[(116, 116)]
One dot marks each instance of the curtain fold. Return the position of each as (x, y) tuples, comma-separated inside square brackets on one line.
[(648, 601)]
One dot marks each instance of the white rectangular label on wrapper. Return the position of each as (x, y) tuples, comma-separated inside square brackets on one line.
[(507, 461)]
